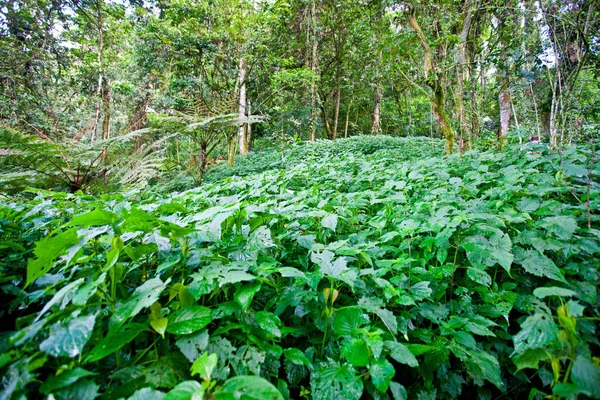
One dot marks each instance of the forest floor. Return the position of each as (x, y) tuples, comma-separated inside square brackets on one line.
[(370, 267)]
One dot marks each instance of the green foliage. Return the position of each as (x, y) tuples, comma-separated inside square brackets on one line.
[(350, 269)]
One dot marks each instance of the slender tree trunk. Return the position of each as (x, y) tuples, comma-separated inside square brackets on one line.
[(347, 119), (338, 85), (377, 95), (249, 126), (242, 106), (106, 99), (313, 84), (461, 62), (100, 75), (230, 150)]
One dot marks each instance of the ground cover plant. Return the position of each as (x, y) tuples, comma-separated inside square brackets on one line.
[(362, 269)]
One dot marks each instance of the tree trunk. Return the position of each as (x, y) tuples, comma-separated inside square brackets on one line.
[(504, 106), (249, 127), (434, 82), (313, 84), (464, 140), (106, 99), (100, 74), (347, 119), (377, 95), (242, 106), (230, 150)]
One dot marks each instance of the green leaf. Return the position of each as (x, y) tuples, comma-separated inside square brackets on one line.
[(382, 373), (69, 340), (530, 358), (544, 292), (538, 264), (160, 325), (64, 379), (269, 322), (247, 388), (81, 390), (114, 341), (98, 217), (481, 365), (192, 346), (401, 353), (330, 222), (586, 375), (189, 319), (347, 321), (204, 365), (398, 391), (143, 296), (46, 251), (479, 276), (562, 227), (537, 331), (327, 266), (245, 295), (356, 352), (330, 381), (147, 394), (186, 390), (297, 357)]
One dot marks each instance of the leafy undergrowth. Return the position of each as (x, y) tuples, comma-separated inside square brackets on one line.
[(342, 274)]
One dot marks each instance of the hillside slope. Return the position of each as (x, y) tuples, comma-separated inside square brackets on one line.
[(365, 267)]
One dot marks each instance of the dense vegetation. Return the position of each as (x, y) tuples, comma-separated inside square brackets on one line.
[(319, 199), (365, 267)]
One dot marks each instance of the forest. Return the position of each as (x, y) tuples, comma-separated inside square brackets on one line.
[(299, 199)]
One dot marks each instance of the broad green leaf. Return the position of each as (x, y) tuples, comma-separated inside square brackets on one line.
[(356, 352), (481, 365), (204, 365), (382, 373), (143, 296), (289, 272), (530, 358), (189, 319), (165, 372), (68, 340), (330, 381), (64, 379), (192, 346), (401, 353), (347, 321), (97, 217), (187, 390), (160, 325), (586, 375), (247, 388), (544, 292), (246, 293), (296, 356), (388, 318), (46, 251), (147, 394), (83, 294), (538, 264), (114, 341), (562, 227), (83, 389), (398, 391), (60, 297), (330, 222), (479, 276), (537, 331), (327, 265), (269, 323)]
